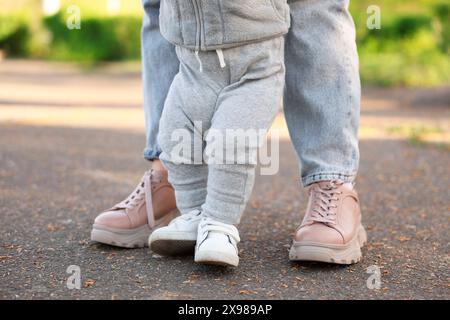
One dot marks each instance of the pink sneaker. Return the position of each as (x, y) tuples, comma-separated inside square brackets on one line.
[(331, 230), (129, 223)]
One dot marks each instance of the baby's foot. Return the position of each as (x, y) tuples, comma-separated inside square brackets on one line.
[(178, 238), (217, 243)]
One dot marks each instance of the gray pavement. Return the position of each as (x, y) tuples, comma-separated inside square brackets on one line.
[(55, 179)]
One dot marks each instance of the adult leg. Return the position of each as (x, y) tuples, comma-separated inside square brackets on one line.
[(130, 222), (322, 97), (159, 67), (322, 101)]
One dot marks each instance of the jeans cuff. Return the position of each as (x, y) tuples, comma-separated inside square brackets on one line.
[(327, 176), (152, 154)]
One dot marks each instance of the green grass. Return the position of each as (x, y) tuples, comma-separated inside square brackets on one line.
[(415, 134), (412, 46), (105, 39), (89, 8)]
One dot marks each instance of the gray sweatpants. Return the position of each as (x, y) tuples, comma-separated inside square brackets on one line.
[(208, 98)]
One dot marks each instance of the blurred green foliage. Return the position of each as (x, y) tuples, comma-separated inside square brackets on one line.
[(412, 48), (105, 39), (14, 35), (26, 32)]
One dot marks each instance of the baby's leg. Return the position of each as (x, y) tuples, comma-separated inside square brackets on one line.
[(186, 116), (249, 105)]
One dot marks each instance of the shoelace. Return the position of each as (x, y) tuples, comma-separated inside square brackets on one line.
[(143, 191), (325, 199)]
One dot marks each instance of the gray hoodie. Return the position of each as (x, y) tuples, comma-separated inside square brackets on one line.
[(217, 24)]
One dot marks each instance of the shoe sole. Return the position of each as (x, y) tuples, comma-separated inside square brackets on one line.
[(337, 254), (172, 244), (128, 238), (216, 258)]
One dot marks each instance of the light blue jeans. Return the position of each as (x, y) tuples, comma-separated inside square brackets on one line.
[(322, 93)]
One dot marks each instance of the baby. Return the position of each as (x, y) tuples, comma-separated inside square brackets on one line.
[(231, 77)]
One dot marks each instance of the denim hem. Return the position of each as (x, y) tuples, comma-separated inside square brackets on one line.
[(151, 154), (326, 176)]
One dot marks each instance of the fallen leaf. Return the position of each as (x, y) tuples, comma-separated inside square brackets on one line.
[(193, 276), (377, 244), (247, 292), (403, 238), (8, 246), (255, 204), (111, 255), (53, 227), (5, 258), (89, 283)]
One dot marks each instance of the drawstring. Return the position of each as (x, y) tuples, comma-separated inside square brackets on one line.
[(219, 55), (221, 58), (199, 61)]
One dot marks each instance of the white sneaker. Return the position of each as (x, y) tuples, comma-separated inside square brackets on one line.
[(217, 243), (178, 237)]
